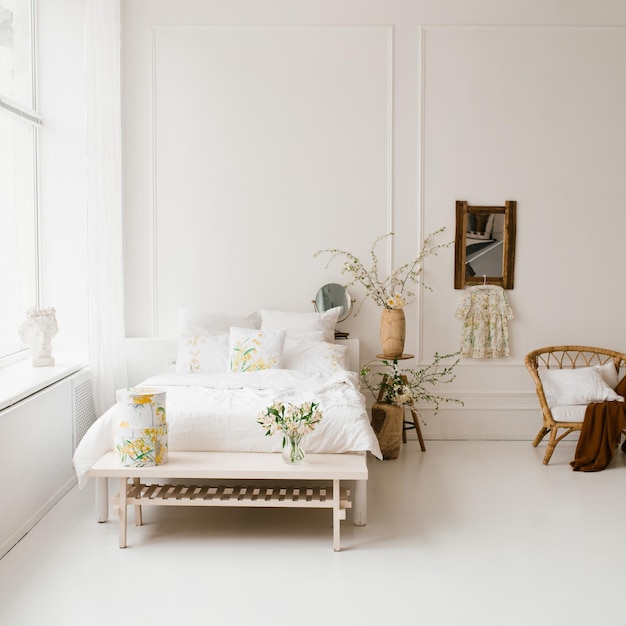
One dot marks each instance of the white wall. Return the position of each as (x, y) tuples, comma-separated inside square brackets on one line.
[(256, 135)]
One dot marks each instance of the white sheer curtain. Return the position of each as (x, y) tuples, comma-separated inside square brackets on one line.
[(104, 200)]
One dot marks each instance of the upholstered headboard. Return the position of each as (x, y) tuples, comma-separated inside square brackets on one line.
[(148, 356)]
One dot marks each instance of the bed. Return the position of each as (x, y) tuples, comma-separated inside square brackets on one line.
[(214, 394)]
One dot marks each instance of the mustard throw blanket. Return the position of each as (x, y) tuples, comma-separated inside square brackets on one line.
[(600, 434)]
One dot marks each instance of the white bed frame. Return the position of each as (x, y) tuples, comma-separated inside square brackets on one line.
[(149, 356)]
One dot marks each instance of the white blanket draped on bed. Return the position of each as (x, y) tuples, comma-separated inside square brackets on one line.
[(218, 412)]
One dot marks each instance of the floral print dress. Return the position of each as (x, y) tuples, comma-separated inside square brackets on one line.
[(485, 312)]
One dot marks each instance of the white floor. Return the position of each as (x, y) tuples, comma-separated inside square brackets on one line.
[(464, 533)]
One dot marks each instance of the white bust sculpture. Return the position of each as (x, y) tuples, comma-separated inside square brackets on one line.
[(37, 331)]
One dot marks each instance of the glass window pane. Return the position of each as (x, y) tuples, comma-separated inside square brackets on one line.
[(18, 260), (16, 52)]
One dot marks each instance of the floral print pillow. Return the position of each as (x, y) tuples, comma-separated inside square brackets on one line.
[(252, 349), (314, 356), (202, 354)]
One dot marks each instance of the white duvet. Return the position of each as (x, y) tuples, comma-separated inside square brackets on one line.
[(218, 412)]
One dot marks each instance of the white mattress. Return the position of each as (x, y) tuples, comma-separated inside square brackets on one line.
[(218, 412)]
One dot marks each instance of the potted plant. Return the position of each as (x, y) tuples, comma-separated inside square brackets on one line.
[(396, 387)]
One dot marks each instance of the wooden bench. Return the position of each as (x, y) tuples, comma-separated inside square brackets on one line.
[(143, 485)]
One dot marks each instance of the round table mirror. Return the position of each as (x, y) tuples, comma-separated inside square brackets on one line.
[(331, 295)]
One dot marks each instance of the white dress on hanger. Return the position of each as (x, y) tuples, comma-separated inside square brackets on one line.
[(485, 312)]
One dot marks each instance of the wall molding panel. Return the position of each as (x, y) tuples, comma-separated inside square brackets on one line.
[(303, 96), (490, 95)]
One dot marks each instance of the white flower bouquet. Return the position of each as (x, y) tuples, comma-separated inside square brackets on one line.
[(392, 292), (293, 421)]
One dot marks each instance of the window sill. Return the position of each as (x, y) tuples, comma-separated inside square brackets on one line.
[(19, 380)]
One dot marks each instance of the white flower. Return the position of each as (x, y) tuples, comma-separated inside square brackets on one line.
[(396, 301), (405, 386), (291, 419), (392, 292)]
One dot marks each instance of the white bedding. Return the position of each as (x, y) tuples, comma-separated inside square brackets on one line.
[(218, 412)]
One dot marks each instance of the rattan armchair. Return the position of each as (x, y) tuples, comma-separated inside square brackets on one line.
[(562, 357)]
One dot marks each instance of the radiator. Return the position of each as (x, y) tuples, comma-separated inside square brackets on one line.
[(84, 412), (36, 463)]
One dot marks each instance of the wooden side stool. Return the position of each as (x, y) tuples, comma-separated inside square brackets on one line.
[(407, 425)]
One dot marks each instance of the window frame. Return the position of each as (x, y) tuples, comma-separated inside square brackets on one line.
[(26, 113)]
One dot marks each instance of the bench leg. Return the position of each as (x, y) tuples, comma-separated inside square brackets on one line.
[(336, 515), (102, 499), (138, 514), (359, 503), (123, 511)]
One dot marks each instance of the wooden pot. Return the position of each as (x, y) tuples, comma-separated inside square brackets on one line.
[(388, 422), (392, 332)]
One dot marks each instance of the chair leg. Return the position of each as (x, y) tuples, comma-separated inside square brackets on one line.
[(551, 446), (540, 435)]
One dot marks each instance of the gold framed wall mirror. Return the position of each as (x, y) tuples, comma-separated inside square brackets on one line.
[(484, 251)]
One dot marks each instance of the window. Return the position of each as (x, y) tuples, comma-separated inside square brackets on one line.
[(18, 170)]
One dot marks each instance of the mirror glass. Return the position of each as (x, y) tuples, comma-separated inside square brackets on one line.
[(331, 295), (484, 245)]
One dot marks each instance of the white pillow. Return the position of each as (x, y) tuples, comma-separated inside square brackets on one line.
[(192, 323), (314, 356), (252, 349), (608, 373), (316, 336), (202, 354), (582, 385), (302, 322)]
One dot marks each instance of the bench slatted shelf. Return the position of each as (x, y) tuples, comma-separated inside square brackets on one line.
[(137, 488)]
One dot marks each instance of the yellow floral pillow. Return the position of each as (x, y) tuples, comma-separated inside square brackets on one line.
[(252, 349), (202, 354)]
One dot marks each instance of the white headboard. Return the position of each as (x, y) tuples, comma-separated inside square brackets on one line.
[(148, 356)]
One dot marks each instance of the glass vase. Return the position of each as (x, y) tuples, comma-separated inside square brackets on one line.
[(292, 450)]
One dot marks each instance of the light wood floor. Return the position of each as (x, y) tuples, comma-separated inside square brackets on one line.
[(465, 533)]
